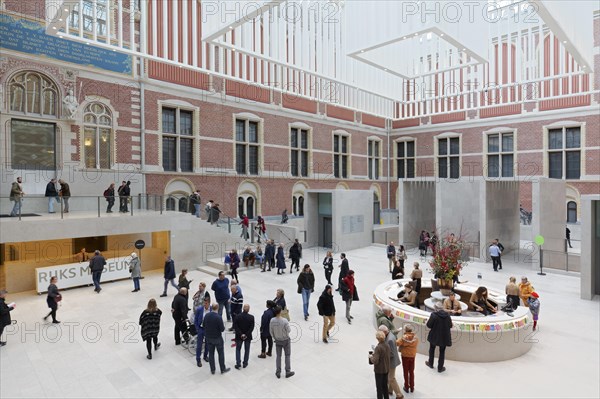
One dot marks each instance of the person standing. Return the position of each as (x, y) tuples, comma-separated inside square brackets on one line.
[(51, 194), (207, 207), (97, 264), (4, 314), (53, 299), (195, 201), (408, 349), (279, 329), (391, 255), (262, 228), (380, 359), (306, 285), (416, 275), (269, 256), (122, 198), (495, 255), (199, 315), (213, 329), (265, 332), (512, 293), (401, 255), (245, 222), (279, 300), (534, 307), (65, 194), (179, 310), (501, 248), (198, 298), (328, 265), (125, 196), (385, 317), (280, 260), (221, 288), (215, 214), (169, 275), (525, 290), (244, 326), (183, 280), (344, 268), (568, 236), (440, 324), (16, 196), (349, 293), (135, 268), (109, 195), (295, 255), (326, 307), (392, 383), (284, 217), (398, 270), (237, 303), (150, 326)]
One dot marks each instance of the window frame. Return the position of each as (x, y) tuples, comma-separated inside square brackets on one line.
[(300, 127), (247, 119), (564, 126), (405, 159), (75, 18), (178, 136), (374, 161), (448, 156), (87, 110), (49, 85), (339, 136), (501, 153)]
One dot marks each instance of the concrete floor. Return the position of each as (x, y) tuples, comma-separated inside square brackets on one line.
[(97, 351)]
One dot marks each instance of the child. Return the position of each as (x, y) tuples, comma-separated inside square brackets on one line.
[(408, 349), (534, 307)]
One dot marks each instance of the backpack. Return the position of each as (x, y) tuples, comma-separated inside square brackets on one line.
[(106, 193)]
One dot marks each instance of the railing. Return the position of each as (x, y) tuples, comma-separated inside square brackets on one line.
[(557, 260)]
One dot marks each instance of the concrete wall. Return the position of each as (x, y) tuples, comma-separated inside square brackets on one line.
[(349, 206), (458, 208), (549, 210), (501, 220), (590, 246), (416, 210)]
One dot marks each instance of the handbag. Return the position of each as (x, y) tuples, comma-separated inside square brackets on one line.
[(299, 289), (285, 313), (58, 298)]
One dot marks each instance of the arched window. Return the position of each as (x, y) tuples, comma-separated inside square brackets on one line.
[(183, 204), (250, 207), (33, 93), (294, 205), (97, 136), (571, 212), (247, 206), (170, 204), (298, 205), (301, 206)]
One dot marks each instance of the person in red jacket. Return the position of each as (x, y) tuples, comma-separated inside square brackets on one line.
[(349, 293)]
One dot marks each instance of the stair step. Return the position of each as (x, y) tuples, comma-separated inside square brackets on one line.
[(216, 265)]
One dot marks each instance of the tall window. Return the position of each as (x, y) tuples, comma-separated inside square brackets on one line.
[(246, 147), (246, 206), (374, 152), (340, 156), (564, 153), (97, 136), (449, 158), (298, 205), (299, 152), (177, 140), (405, 162), (88, 16), (500, 157), (33, 93)]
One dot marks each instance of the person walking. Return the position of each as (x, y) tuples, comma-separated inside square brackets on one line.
[(326, 307), (135, 268), (269, 256), (380, 359), (280, 260), (213, 329), (109, 195), (16, 196), (391, 255), (52, 195), (215, 214), (568, 236), (266, 340), (221, 288), (284, 217), (349, 293), (207, 207), (179, 310), (244, 326), (65, 193), (195, 201), (392, 383), (306, 286), (150, 326), (237, 303), (440, 324), (199, 315), (97, 264), (234, 264), (169, 275), (344, 268), (279, 329), (495, 252), (408, 349), (4, 314), (245, 222), (53, 298), (295, 255), (328, 265)]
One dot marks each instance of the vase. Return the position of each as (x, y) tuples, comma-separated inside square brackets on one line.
[(446, 286)]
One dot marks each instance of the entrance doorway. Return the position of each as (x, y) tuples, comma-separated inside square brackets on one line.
[(376, 209), (327, 232), (571, 212)]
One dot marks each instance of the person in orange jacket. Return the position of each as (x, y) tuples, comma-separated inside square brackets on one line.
[(407, 344)]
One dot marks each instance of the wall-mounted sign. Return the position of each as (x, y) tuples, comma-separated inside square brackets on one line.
[(79, 274), (30, 37)]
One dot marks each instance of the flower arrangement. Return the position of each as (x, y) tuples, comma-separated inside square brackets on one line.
[(446, 262)]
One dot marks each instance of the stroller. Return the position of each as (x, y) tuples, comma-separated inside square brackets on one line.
[(190, 336)]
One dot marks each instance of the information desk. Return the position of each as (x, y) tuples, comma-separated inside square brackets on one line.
[(474, 339)]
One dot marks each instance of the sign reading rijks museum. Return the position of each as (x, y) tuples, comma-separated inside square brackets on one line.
[(30, 37)]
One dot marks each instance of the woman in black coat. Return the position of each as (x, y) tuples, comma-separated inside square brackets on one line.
[(150, 322), (326, 307), (440, 324), (53, 299), (4, 314), (280, 260), (265, 333), (328, 265)]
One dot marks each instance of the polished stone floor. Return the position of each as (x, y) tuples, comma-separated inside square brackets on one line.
[(97, 352)]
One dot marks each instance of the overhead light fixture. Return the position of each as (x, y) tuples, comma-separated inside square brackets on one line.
[(442, 35), (362, 51), (54, 27), (404, 37), (416, 34), (564, 41), (87, 142), (60, 19), (231, 27), (66, 9), (385, 69)]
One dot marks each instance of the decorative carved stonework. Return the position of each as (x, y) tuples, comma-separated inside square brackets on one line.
[(70, 105)]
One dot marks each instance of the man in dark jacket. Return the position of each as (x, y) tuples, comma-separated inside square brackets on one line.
[(295, 256), (344, 268), (391, 255), (265, 333), (440, 324), (179, 309), (269, 256), (52, 195), (213, 328), (124, 194), (237, 301), (169, 275), (4, 314), (221, 288), (244, 326), (97, 264), (65, 194), (326, 308)]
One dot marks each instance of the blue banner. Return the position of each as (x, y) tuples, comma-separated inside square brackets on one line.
[(30, 37)]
